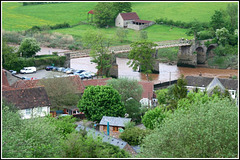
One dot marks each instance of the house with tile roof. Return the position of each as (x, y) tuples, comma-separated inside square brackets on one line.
[(208, 84), (115, 125), (32, 102), (108, 139), (132, 21)]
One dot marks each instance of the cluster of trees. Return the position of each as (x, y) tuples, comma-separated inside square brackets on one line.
[(49, 137), (106, 12)]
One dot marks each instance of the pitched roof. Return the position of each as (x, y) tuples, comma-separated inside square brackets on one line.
[(205, 81), (148, 88), (105, 138), (114, 121), (27, 97), (214, 83), (142, 21), (129, 16), (91, 12), (95, 82), (26, 84)]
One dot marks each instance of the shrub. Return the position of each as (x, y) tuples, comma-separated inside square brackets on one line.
[(208, 130), (134, 135), (205, 35)]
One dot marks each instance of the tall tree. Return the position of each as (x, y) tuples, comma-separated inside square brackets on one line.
[(99, 45), (217, 20), (99, 101), (141, 55), (29, 47), (104, 14), (120, 7), (195, 28), (232, 11)]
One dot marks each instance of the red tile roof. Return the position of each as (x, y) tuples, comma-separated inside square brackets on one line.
[(148, 88), (26, 84), (95, 82), (129, 16), (91, 12), (27, 97)]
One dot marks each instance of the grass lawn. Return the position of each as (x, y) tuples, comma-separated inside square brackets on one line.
[(16, 17)]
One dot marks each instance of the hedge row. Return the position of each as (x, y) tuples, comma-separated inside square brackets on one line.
[(179, 23), (48, 27), (20, 62)]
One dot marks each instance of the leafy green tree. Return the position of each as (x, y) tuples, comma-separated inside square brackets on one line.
[(141, 55), (134, 135), (104, 14), (222, 36), (77, 146), (99, 101), (31, 138), (217, 20), (9, 56), (195, 28), (154, 117), (121, 33), (62, 92), (232, 11), (64, 125), (162, 96), (205, 130), (122, 7), (99, 44), (29, 47), (180, 90)]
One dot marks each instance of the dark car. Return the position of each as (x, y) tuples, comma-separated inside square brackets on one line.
[(78, 71), (49, 68)]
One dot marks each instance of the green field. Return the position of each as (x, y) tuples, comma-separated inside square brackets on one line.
[(16, 17)]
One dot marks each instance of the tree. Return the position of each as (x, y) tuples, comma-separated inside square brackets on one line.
[(162, 96), (99, 44), (77, 146), (232, 11), (195, 28), (202, 131), (121, 33), (217, 20), (133, 136), (154, 117), (31, 138), (141, 55), (99, 101), (29, 47), (120, 7), (104, 14), (222, 36), (180, 90), (61, 91)]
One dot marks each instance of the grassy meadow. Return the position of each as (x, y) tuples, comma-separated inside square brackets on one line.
[(16, 17)]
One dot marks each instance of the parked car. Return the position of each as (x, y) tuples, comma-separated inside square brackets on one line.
[(28, 70), (60, 69), (13, 72), (25, 78), (87, 75), (79, 71), (54, 68), (65, 70), (70, 71), (49, 68), (81, 75)]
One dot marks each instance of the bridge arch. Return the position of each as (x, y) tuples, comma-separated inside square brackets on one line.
[(209, 52), (201, 55)]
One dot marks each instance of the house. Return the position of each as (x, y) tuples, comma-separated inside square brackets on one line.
[(32, 102), (132, 21), (105, 138), (115, 124), (74, 111), (208, 84)]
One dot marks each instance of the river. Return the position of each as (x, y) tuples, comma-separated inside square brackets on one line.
[(166, 72)]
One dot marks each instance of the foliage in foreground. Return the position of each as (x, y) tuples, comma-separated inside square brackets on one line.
[(204, 130), (99, 101), (78, 146)]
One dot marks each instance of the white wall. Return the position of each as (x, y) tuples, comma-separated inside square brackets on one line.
[(34, 112), (119, 21)]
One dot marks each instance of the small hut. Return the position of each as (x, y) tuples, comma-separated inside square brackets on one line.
[(92, 13)]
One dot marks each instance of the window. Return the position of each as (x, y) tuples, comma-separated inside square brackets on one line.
[(233, 93), (28, 111), (105, 128), (115, 129)]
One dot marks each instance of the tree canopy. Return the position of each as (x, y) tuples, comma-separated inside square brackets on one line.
[(99, 101), (29, 47)]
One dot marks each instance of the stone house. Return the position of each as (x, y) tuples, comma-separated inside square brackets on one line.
[(208, 84), (132, 21), (115, 124), (106, 138)]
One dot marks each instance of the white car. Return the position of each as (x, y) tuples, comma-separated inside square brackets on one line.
[(28, 70)]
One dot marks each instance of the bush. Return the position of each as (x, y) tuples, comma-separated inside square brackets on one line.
[(205, 35), (208, 130), (134, 135)]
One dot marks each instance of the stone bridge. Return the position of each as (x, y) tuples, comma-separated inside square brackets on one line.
[(190, 52)]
